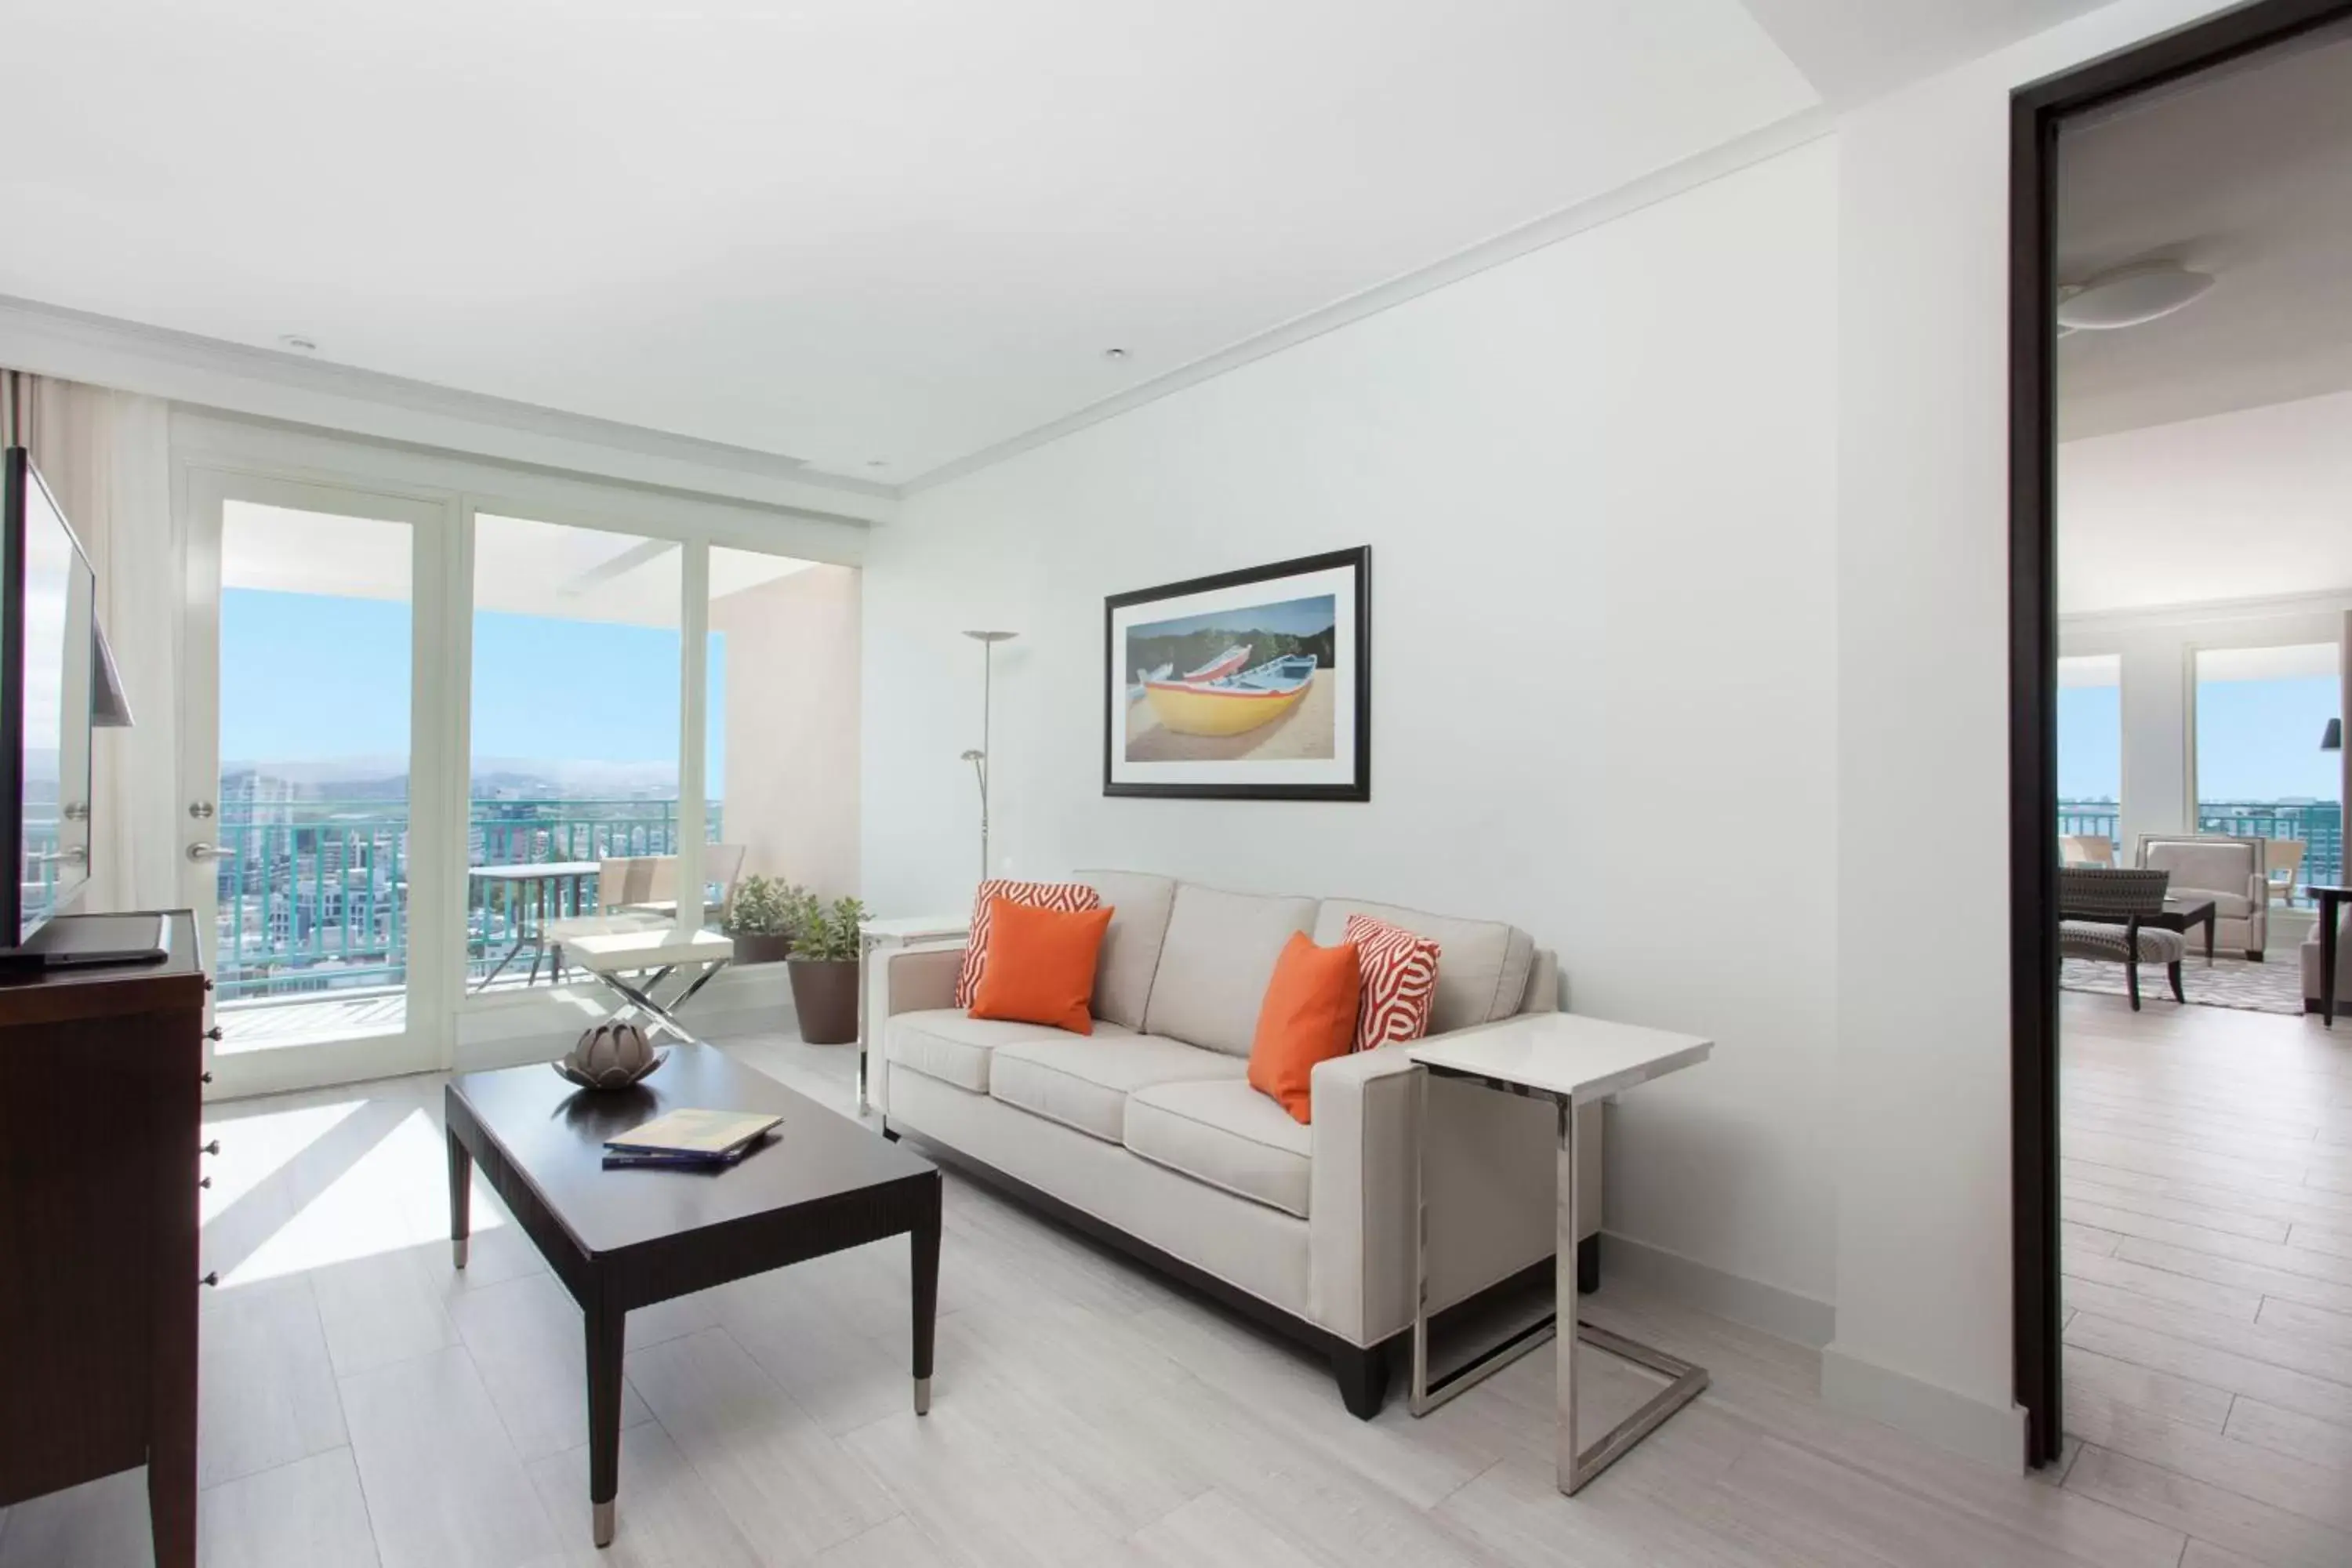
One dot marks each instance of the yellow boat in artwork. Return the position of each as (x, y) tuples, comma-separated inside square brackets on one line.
[(1233, 703)]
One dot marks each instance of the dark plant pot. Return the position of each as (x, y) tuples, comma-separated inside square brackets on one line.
[(824, 995), (761, 946)]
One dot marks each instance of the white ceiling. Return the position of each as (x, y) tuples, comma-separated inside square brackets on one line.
[(875, 235), (2246, 173), (1852, 51), (2245, 505)]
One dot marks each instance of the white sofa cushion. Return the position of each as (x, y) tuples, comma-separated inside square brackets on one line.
[(1215, 963), (1482, 965), (1083, 1080), (1140, 904), (1226, 1134), (947, 1044)]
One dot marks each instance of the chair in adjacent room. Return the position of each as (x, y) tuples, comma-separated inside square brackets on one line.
[(2100, 913), (2225, 867)]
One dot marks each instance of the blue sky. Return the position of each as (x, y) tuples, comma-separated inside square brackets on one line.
[(309, 678), (1300, 617), (2256, 739)]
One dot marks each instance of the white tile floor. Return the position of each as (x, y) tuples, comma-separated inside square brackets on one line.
[(363, 1404)]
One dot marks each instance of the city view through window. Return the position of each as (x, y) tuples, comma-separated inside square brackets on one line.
[(2259, 771), (575, 727)]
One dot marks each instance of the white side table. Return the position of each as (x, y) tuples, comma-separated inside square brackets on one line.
[(1567, 1060), (903, 931)]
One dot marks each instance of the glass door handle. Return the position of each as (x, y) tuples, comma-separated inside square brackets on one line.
[(200, 852)]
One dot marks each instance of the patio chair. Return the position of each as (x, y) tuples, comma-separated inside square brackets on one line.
[(2101, 909), (722, 865), (2085, 849), (2225, 867), (2283, 858), (621, 882)]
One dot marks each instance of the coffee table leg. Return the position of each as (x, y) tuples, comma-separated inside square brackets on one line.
[(461, 1200), (924, 1240), (605, 1340)]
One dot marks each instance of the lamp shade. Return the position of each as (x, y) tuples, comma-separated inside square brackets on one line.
[(2332, 738)]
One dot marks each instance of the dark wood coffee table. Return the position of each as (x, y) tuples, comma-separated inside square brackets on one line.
[(627, 1238)]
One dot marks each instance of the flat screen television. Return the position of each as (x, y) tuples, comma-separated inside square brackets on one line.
[(47, 602)]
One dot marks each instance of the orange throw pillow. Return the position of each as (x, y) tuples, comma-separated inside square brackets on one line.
[(1041, 966), (1045, 895), (1308, 1016)]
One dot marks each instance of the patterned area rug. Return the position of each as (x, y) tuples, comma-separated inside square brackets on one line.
[(2275, 987)]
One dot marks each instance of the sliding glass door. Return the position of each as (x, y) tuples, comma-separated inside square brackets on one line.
[(312, 697)]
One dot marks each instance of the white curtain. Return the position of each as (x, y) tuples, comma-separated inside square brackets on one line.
[(107, 457)]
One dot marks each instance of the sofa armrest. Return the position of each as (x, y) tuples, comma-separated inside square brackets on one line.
[(920, 981), (1360, 1195), (1492, 1170), (916, 981)]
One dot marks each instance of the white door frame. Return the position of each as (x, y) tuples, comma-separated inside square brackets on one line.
[(437, 813)]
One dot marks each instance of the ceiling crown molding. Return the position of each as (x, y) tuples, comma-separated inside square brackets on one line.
[(1757, 146), (127, 356)]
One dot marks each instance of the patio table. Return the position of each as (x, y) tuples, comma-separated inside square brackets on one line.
[(536, 880)]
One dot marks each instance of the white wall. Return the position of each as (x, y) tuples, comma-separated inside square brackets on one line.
[(1598, 483), (1922, 1071), (791, 784)]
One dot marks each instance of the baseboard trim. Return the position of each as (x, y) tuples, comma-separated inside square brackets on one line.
[(1784, 1314), (1991, 1435)]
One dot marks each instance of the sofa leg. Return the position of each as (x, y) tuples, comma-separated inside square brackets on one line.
[(1363, 1378), (888, 1134), (1588, 1265), (2253, 955)]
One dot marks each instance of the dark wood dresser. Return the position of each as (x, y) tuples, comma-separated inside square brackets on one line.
[(100, 1118)]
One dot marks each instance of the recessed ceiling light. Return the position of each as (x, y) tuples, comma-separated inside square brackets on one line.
[(1114, 353), (877, 462), (299, 345)]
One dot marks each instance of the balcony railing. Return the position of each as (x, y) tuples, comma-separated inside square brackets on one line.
[(313, 894), (2318, 823)]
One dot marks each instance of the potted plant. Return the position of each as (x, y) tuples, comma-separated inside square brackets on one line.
[(761, 919), (825, 967)]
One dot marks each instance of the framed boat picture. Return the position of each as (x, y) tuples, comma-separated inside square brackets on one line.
[(1251, 685)]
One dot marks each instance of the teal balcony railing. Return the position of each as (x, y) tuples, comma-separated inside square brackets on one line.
[(313, 894), (2318, 823)]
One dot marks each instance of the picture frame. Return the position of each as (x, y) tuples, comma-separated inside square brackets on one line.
[(1247, 685)]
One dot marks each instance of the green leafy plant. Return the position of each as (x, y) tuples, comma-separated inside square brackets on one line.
[(827, 933), (766, 906)]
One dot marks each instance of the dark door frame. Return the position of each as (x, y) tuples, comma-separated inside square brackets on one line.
[(2035, 114)]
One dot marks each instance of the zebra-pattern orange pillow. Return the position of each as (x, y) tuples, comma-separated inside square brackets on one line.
[(1067, 896), (1400, 972)]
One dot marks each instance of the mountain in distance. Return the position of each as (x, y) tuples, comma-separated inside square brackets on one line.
[(494, 778)]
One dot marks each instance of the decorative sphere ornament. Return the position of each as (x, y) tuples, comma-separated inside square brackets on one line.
[(610, 1056)]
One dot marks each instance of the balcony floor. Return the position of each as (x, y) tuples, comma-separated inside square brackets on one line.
[(264, 1024)]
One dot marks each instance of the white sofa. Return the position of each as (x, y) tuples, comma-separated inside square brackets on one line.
[(1147, 1133)]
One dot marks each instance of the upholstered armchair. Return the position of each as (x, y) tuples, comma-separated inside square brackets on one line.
[(2231, 872)]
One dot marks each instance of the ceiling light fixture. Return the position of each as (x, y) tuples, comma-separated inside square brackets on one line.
[(877, 462), (2129, 296), (299, 343), (1114, 353)]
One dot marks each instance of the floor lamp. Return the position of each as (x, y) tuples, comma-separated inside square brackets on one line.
[(979, 759)]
